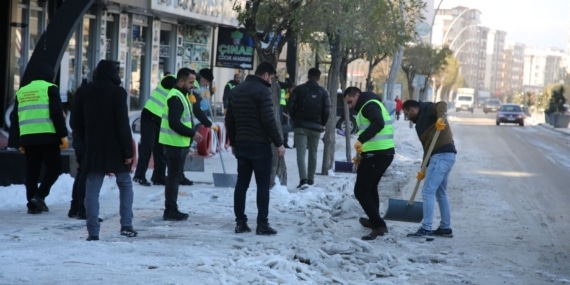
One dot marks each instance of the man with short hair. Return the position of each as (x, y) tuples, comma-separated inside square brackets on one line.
[(251, 129), (229, 86), (176, 134), (428, 118), (309, 108), (375, 152)]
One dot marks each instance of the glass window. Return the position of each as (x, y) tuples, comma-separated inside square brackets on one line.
[(138, 56)]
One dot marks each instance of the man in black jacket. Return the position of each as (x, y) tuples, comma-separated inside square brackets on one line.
[(309, 107), (38, 127), (101, 120), (252, 128)]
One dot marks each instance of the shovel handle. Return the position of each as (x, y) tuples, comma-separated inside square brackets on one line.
[(424, 163)]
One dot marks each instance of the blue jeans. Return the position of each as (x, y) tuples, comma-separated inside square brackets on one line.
[(93, 185), (253, 158), (435, 188)]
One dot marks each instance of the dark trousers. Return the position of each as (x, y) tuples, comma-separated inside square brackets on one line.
[(78, 192), (175, 159), (36, 155), (149, 144), (368, 175), (253, 158)]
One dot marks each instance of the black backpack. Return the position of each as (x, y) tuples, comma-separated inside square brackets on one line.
[(310, 106)]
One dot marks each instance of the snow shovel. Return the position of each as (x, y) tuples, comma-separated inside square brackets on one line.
[(408, 210), (221, 179)]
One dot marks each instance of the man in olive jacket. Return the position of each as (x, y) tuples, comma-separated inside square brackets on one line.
[(100, 118), (428, 118)]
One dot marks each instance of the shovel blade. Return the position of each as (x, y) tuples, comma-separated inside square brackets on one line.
[(225, 180), (343, 166), (400, 210)]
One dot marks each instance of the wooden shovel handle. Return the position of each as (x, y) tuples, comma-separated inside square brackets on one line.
[(424, 164)]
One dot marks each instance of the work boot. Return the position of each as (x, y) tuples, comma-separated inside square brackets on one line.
[(34, 211), (39, 203), (242, 227), (380, 231), (141, 180), (365, 222), (158, 181), (186, 182), (264, 229), (174, 215), (91, 238)]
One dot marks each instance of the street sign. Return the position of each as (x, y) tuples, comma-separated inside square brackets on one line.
[(423, 29)]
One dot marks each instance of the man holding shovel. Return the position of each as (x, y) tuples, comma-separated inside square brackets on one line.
[(375, 152), (428, 118)]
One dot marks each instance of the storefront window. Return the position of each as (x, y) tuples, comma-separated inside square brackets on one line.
[(16, 50), (36, 30), (164, 54), (137, 58)]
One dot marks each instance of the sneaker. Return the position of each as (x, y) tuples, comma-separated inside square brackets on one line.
[(39, 203), (310, 182), (158, 182), (174, 216), (303, 184), (421, 233), (142, 181), (90, 238), (34, 211), (380, 231), (265, 230), (242, 227), (443, 233), (365, 222), (186, 182), (128, 231)]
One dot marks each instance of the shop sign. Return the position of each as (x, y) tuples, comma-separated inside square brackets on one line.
[(235, 49)]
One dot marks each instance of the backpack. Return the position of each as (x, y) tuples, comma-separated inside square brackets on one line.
[(310, 106)]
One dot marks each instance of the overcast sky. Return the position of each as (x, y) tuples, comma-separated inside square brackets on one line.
[(542, 24)]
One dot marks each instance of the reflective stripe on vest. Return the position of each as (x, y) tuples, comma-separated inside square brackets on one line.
[(157, 101), (33, 108), (383, 139), (167, 135), (231, 86), (283, 97)]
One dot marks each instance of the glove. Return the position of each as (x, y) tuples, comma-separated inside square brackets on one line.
[(215, 127), (64, 143), (356, 159), (22, 149), (358, 146), (214, 89), (421, 175), (192, 98), (439, 124)]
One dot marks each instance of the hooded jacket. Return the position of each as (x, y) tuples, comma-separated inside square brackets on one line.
[(43, 72), (428, 114), (100, 119)]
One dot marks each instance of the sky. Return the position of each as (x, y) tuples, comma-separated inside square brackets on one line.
[(542, 24), (318, 241)]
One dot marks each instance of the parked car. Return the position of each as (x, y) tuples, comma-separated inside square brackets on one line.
[(340, 124), (510, 113), (491, 105)]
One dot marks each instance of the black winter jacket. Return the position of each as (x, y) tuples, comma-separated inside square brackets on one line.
[(316, 118), (250, 116), (99, 118)]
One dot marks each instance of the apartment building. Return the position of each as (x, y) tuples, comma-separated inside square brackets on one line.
[(513, 71), (494, 61), (543, 67)]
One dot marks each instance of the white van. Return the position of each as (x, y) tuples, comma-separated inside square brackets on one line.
[(464, 102)]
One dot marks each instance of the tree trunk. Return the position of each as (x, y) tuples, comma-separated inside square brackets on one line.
[(332, 86)]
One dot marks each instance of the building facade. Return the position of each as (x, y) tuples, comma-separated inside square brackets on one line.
[(146, 37), (543, 67), (494, 61), (513, 71)]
